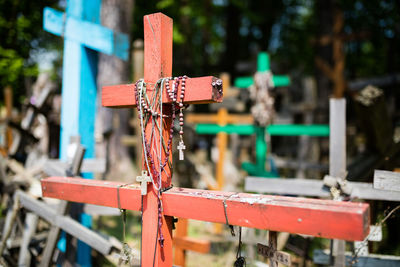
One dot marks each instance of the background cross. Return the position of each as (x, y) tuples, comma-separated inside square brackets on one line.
[(83, 38), (306, 216), (263, 64)]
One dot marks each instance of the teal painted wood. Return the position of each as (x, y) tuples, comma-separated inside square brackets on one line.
[(258, 169), (273, 130), (243, 129), (83, 38), (263, 64), (90, 34), (298, 130)]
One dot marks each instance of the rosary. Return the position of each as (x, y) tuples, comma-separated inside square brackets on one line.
[(150, 109)]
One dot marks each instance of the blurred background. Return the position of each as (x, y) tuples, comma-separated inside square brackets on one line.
[(331, 48)]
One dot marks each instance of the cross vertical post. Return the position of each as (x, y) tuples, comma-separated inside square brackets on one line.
[(157, 64), (337, 160), (263, 66)]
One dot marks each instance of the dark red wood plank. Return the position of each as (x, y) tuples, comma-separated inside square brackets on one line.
[(321, 218), (198, 91)]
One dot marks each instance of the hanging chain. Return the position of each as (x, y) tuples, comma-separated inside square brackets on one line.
[(240, 260), (126, 255), (150, 110)]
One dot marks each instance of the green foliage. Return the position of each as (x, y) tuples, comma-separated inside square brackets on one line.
[(375, 55), (212, 36), (21, 34)]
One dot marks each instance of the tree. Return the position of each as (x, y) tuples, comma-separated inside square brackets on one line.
[(21, 34), (117, 15)]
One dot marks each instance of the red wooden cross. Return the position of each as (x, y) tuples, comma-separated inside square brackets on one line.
[(322, 218)]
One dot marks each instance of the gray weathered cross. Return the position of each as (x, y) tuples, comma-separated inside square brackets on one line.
[(272, 252), (143, 180)]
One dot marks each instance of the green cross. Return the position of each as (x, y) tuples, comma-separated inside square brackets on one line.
[(258, 169), (263, 64)]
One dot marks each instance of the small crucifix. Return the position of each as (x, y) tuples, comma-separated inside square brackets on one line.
[(143, 180), (181, 147)]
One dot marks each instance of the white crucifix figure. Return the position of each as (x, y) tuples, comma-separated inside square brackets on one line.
[(143, 180), (181, 147)]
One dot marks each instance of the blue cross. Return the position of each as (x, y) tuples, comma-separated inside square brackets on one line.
[(83, 37)]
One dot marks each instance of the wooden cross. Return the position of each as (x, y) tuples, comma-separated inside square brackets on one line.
[(222, 118), (316, 188), (258, 169), (270, 251), (143, 180), (83, 38), (335, 72), (263, 64), (322, 218)]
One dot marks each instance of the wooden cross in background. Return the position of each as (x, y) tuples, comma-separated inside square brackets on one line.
[(84, 37), (322, 218)]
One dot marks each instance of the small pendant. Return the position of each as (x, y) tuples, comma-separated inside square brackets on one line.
[(143, 180), (181, 147)]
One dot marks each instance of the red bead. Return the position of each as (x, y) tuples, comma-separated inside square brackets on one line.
[(180, 132)]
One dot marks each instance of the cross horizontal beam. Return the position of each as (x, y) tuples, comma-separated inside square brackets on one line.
[(315, 188), (66, 223), (91, 35), (273, 129), (321, 218), (198, 91), (211, 118), (278, 80)]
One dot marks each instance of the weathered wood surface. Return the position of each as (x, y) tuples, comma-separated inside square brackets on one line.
[(322, 218), (157, 64), (31, 221), (372, 260), (386, 180), (90, 34), (314, 188), (54, 167), (53, 236), (67, 224), (198, 91)]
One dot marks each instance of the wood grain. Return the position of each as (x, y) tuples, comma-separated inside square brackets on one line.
[(321, 218)]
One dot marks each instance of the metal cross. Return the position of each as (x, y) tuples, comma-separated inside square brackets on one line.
[(272, 253), (143, 180), (181, 147)]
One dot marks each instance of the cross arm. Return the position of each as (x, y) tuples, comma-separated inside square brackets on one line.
[(207, 118), (321, 218), (92, 35), (273, 129), (198, 90), (246, 82)]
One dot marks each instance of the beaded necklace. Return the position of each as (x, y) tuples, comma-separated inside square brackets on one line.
[(151, 111)]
